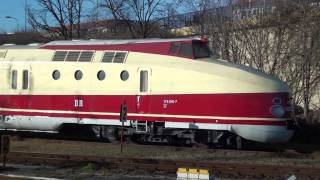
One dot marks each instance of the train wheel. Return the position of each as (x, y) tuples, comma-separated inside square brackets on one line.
[(110, 134), (106, 133), (238, 142)]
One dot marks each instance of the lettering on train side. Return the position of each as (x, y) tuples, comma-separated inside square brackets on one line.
[(166, 102), (78, 103)]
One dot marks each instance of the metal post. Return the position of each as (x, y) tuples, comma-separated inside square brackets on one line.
[(123, 118), (25, 15), (17, 25), (5, 148), (121, 137), (4, 160)]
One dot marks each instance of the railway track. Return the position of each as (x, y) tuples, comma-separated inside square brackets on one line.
[(58, 138), (170, 166)]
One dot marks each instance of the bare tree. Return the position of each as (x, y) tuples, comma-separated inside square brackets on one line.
[(307, 45), (281, 39), (141, 16), (212, 18), (286, 44), (57, 17)]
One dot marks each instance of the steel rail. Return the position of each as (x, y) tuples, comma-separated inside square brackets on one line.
[(170, 166)]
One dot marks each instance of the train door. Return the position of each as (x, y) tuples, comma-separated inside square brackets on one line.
[(4, 79), (19, 84), (143, 98)]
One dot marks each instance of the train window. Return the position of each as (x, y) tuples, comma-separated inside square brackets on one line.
[(73, 56), (108, 57), (201, 50), (119, 57), (101, 75), (86, 56), (14, 75), (124, 75), (174, 47), (56, 74), (59, 55), (25, 79), (186, 50), (143, 81), (78, 75)]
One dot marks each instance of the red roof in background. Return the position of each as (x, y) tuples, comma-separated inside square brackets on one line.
[(102, 23), (243, 2), (250, 2)]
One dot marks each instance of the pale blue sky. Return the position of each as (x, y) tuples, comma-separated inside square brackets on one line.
[(13, 8), (16, 9)]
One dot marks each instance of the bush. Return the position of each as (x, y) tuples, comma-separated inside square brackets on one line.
[(307, 134)]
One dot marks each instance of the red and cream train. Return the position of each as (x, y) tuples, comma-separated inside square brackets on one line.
[(173, 89)]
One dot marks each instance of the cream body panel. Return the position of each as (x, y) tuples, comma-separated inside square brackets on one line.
[(45, 123), (28, 55), (4, 77), (186, 76), (88, 85), (263, 133), (39, 123), (169, 75)]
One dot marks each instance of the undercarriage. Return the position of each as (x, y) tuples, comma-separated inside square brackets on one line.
[(156, 133)]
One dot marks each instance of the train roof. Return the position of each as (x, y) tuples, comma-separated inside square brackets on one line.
[(190, 48), (13, 46), (118, 42)]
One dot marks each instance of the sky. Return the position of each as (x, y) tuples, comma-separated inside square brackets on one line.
[(14, 9)]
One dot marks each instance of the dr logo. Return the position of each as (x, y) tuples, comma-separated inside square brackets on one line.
[(78, 103)]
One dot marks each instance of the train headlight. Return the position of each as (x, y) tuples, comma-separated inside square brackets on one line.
[(277, 110), (276, 100)]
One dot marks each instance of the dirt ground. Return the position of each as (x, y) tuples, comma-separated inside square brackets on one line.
[(91, 171), (22, 172), (286, 157)]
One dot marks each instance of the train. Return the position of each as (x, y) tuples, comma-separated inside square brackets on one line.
[(174, 90)]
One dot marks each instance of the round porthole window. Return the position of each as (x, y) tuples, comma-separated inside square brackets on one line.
[(56, 74), (124, 75), (101, 75), (78, 75)]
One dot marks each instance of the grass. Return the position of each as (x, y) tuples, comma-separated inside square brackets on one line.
[(89, 168), (102, 149), (162, 152)]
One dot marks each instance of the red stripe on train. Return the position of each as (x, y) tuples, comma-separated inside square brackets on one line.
[(154, 48), (225, 105)]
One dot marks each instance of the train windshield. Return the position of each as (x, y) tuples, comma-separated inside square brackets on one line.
[(201, 50)]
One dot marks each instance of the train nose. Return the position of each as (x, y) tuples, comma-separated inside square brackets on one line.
[(274, 118), (264, 134)]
